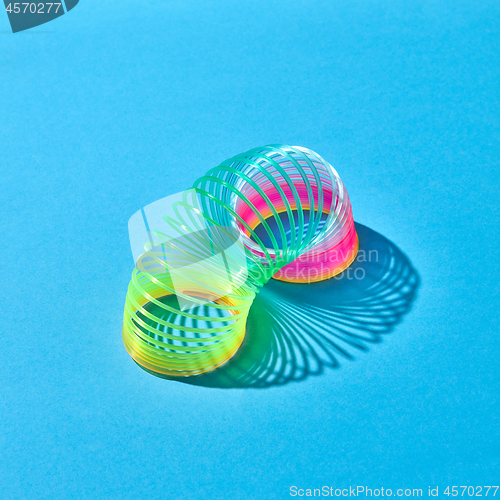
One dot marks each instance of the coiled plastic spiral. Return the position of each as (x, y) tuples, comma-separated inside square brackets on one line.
[(284, 208)]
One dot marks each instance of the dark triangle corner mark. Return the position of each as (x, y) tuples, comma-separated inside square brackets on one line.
[(70, 4), (44, 12)]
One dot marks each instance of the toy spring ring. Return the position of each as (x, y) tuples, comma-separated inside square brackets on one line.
[(199, 268)]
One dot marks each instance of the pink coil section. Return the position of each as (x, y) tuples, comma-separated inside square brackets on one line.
[(338, 246)]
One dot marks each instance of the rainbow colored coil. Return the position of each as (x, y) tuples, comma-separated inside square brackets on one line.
[(312, 239)]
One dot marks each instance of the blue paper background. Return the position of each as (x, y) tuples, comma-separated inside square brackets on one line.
[(120, 103)]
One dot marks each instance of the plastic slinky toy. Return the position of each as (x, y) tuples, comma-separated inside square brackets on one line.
[(277, 212)]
